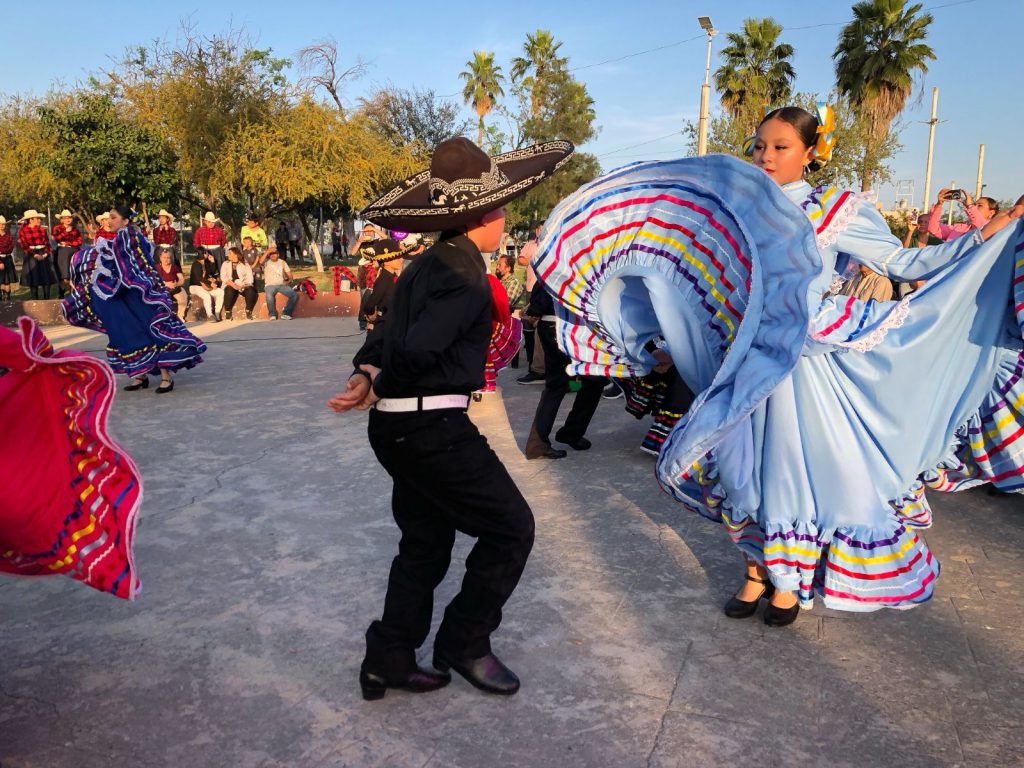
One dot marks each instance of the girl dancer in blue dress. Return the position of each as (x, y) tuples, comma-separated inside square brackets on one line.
[(117, 291), (819, 418)]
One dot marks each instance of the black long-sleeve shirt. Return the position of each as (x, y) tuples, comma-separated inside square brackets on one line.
[(439, 325), (202, 273), (379, 299)]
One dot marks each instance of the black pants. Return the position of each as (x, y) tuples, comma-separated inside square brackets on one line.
[(556, 384), (248, 293), (293, 247), (446, 479), (529, 337)]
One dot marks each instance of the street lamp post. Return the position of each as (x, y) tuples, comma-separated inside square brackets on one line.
[(705, 90)]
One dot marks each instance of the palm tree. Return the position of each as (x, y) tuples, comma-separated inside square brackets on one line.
[(877, 57), (483, 86), (756, 71), (532, 69)]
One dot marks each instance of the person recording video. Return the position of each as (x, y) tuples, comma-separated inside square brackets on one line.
[(978, 214)]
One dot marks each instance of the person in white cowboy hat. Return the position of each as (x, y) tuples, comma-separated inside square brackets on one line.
[(8, 273), (105, 232), (37, 272), (210, 238), (165, 236), (418, 375), (69, 240)]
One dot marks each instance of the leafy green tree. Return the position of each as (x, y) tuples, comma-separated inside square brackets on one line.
[(105, 157), (483, 86), (877, 57), (756, 69), (313, 155), (198, 92), (532, 70), (25, 182)]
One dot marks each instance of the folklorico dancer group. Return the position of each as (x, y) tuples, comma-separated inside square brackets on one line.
[(807, 422)]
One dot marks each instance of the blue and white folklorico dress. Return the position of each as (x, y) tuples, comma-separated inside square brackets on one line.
[(820, 418), (116, 290)]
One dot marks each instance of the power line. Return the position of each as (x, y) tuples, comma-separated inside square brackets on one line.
[(638, 53), (641, 144)]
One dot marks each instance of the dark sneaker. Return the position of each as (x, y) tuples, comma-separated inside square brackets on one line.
[(531, 378), (612, 392)]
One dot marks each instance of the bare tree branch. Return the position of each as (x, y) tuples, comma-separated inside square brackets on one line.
[(320, 62)]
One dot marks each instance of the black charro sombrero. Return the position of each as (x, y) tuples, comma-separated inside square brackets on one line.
[(383, 251), (463, 183)]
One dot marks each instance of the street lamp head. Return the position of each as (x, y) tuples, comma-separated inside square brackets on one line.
[(705, 23)]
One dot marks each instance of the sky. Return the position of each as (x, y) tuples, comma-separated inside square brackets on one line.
[(642, 62)]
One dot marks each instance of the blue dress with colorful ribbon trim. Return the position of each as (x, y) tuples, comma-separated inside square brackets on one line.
[(116, 290), (819, 418)]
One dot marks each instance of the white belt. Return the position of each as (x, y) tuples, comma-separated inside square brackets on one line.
[(549, 318), (428, 403), (211, 247), (37, 247), (167, 245)]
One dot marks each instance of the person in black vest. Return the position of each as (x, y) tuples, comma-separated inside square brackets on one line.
[(418, 375)]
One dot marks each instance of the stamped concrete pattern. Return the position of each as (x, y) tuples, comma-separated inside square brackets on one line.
[(264, 545)]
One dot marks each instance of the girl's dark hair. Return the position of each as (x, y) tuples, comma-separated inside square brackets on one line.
[(236, 250), (805, 124), (992, 203), (124, 211)]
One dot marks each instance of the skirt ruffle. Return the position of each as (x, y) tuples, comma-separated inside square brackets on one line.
[(860, 569), (77, 515)]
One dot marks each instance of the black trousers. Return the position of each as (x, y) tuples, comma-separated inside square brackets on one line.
[(446, 479), (529, 339), (556, 385), (248, 293)]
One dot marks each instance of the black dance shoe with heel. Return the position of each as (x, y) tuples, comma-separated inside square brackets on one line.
[(161, 389), (137, 384), (781, 617), (487, 673), (742, 609), (418, 681)]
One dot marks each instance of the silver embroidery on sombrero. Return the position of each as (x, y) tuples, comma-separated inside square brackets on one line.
[(455, 192)]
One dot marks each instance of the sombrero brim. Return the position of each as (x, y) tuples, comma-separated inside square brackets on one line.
[(407, 207), (384, 257)]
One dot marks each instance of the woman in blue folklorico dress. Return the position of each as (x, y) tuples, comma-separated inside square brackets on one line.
[(820, 418), (116, 290)]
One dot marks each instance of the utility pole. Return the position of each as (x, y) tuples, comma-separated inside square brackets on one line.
[(705, 90), (931, 150), (981, 164)]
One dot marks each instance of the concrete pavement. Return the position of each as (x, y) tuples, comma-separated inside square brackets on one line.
[(264, 544)]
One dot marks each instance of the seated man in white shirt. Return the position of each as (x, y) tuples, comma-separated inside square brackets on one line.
[(237, 279), (276, 276)]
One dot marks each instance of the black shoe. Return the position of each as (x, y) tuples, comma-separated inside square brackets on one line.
[(142, 383), (577, 445), (531, 378), (227, 316), (549, 453), (161, 389), (612, 392), (419, 681), (486, 673), (742, 609), (781, 617)]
